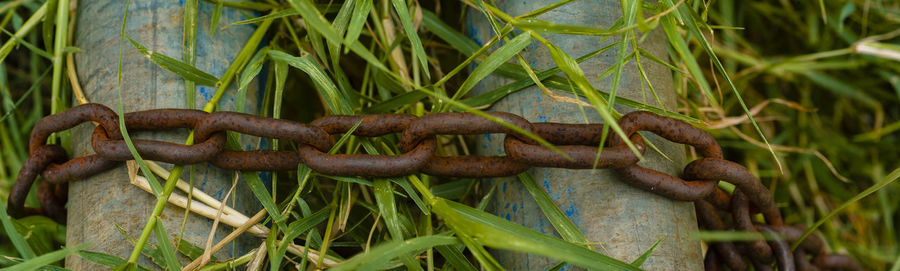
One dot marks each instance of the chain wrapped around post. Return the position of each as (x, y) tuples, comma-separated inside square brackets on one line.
[(416, 141)]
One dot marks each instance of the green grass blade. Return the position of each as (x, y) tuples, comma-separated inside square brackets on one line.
[(629, 13), (493, 61), (165, 247), (357, 20), (336, 100), (316, 21), (249, 5), (455, 258), (186, 71), (379, 256), (482, 50), (214, 21), (409, 28), (545, 9), (59, 44), (191, 251), (37, 83), (496, 94), (275, 15), (262, 194), (42, 233), (340, 26), (17, 240), (889, 179), (189, 48), (47, 26), (566, 229), (31, 47), (643, 258), (44, 260), (106, 259), (456, 40), (496, 232), (295, 229), (247, 51), (680, 46), (396, 102), (659, 61), (384, 197), (407, 187), (32, 21), (250, 71)]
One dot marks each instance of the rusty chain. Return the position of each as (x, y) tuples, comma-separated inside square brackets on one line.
[(716, 209)]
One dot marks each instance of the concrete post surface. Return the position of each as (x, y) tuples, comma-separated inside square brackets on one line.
[(624, 220), (98, 204)]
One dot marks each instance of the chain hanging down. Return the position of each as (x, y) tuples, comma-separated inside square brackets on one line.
[(416, 140)]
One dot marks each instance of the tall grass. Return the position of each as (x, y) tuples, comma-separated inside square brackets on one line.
[(805, 94)]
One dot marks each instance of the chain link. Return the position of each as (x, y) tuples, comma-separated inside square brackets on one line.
[(416, 141)]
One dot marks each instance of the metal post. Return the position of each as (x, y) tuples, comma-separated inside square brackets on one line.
[(624, 220), (97, 205)]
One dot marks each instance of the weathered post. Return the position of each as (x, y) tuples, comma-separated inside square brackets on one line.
[(97, 205), (623, 220)]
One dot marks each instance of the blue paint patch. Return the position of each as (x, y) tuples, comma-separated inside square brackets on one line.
[(515, 207), (546, 183), (572, 210), (206, 93), (506, 206), (504, 187), (472, 31), (507, 217), (542, 118)]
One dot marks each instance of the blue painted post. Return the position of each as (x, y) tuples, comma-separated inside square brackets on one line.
[(98, 204), (623, 220)]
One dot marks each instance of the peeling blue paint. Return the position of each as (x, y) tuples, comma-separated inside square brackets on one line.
[(571, 211), (205, 93), (546, 183)]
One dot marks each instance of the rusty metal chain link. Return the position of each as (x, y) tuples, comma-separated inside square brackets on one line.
[(415, 138)]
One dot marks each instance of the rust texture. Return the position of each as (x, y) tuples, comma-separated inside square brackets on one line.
[(473, 167), (461, 124), (160, 119), (576, 146)]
